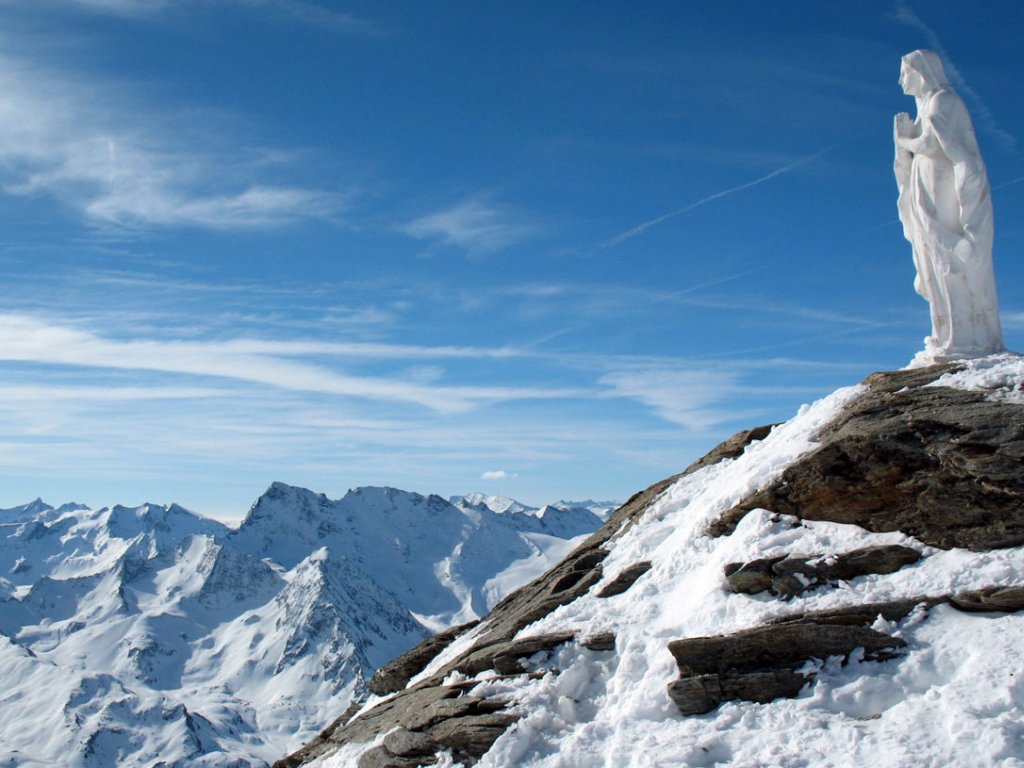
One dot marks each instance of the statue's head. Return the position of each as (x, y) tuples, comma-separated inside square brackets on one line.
[(922, 72)]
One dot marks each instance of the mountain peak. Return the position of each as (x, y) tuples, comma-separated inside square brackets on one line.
[(500, 505), (31, 509)]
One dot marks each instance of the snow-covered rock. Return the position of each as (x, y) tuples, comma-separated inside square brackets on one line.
[(880, 536)]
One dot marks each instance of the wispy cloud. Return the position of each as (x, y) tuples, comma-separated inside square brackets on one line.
[(477, 225), (1013, 320), (494, 474), (312, 14), (906, 15), (81, 143), (302, 11), (641, 228), (685, 397), (120, 7), (114, 394), (29, 339)]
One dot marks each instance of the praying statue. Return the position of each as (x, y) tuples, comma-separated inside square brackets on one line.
[(946, 212)]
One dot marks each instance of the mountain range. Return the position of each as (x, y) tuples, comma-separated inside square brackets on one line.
[(149, 635)]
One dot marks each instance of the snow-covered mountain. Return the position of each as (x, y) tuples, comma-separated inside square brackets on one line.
[(563, 519), (844, 589), (138, 636)]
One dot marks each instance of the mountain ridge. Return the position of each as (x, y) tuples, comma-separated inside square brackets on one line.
[(180, 641)]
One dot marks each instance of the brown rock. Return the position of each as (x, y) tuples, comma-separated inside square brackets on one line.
[(760, 664), (700, 694), (990, 599), (625, 580), (605, 641), (940, 464), (753, 577), (504, 657), (791, 576), (395, 675)]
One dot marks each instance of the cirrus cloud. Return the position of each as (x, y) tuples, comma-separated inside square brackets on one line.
[(476, 225), (87, 145)]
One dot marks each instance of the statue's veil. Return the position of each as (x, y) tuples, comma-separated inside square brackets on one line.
[(929, 65)]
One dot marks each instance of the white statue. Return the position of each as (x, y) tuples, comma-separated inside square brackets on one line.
[(946, 211)]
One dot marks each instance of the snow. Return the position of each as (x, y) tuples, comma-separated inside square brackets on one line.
[(1002, 375), (564, 520), (496, 503), (956, 697), (137, 636)]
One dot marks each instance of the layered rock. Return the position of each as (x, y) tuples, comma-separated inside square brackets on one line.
[(940, 464), (790, 576)]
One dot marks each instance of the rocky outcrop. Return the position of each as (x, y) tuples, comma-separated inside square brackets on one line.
[(992, 599), (771, 661), (791, 576), (418, 725), (766, 663), (395, 675), (940, 464), (625, 580)]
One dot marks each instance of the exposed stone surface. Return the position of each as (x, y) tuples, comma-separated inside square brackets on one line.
[(761, 664), (866, 613), (790, 576), (605, 641), (505, 657), (395, 675), (422, 722), (992, 599), (625, 580), (940, 464), (467, 737)]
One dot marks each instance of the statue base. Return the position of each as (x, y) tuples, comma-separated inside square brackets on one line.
[(927, 357)]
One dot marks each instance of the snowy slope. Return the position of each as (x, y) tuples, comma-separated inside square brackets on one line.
[(952, 696), (137, 636)]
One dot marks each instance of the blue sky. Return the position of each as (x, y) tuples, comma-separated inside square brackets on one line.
[(551, 250)]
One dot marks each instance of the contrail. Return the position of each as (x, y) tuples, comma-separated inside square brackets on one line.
[(1018, 180), (638, 230)]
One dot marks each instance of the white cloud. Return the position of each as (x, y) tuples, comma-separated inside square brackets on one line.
[(28, 339), (300, 10), (28, 394), (1013, 321), (477, 225), (494, 474), (312, 14), (119, 7), (684, 397), (86, 146)]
